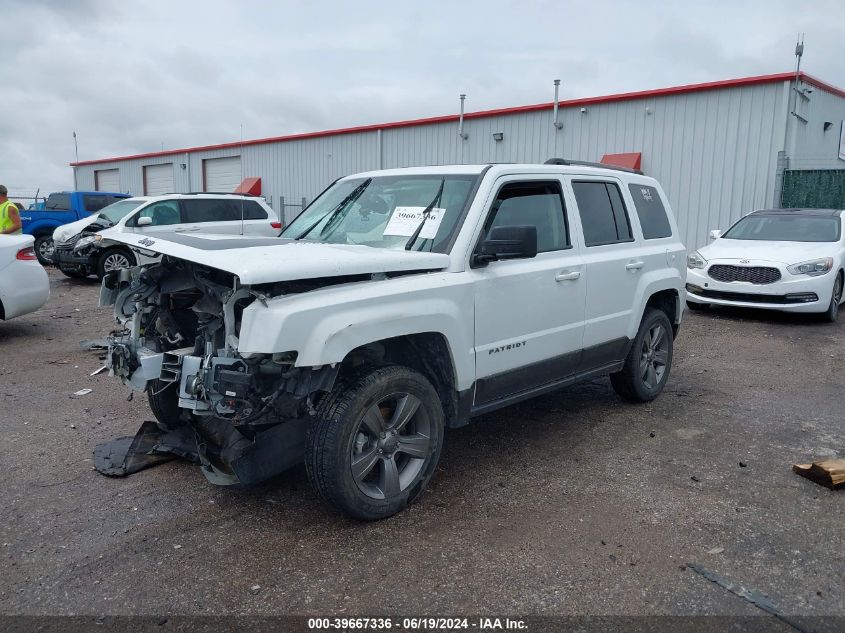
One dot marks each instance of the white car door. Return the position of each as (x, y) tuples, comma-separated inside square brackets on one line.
[(529, 313), (164, 216), (613, 265), (227, 216)]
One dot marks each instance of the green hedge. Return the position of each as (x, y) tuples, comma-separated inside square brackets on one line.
[(815, 189)]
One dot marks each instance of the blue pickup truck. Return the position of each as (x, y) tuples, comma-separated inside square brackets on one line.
[(61, 208)]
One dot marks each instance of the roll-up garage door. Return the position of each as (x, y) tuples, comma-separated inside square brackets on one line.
[(107, 180), (158, 179), (222, 175)]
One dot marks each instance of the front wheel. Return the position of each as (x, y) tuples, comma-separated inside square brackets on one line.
[(375, 442), (832, 311), (648, 363), (114, 259), (44, 249)]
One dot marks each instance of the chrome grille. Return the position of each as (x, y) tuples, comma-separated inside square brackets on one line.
[(751, 274)]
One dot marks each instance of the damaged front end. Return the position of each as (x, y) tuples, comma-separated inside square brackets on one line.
[(243, 415)]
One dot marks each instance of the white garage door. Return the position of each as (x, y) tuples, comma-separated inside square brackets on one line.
[(158, 179), (107, 180), (222, 175)]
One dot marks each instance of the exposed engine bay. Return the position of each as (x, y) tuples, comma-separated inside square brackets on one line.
[(179, 343)]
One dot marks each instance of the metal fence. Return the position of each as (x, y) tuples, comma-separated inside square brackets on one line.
[(814, 189)]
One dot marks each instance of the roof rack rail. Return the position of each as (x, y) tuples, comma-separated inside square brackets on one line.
[(217, 193), (584, 163)]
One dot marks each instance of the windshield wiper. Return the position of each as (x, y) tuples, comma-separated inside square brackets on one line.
[(353, 195), (425, 215)]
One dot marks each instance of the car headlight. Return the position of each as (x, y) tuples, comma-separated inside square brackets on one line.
[(84, 241), (695, 260), (813, 268)]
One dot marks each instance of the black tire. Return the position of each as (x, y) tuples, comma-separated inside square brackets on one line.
[(44, 249), (73, 273), (343, 428), (635, 382), (105, 260), (832, 311), (698, 307), (164, 402)]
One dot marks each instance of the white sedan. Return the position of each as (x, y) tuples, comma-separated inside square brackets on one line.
[(791, 260), (24, 286)]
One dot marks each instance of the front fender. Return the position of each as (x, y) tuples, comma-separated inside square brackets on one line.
[(323, 326)]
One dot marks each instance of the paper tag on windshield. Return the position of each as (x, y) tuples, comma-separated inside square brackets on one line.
[(405, 221)]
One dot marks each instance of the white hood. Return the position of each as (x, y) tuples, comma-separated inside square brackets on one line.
[(66, 231), (259, 260), (758, 250)]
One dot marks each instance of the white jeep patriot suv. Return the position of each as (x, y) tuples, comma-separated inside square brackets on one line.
[(398, 303)]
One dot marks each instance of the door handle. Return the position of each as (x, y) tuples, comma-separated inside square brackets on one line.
[(568, 276), (195, 228), (179, 230), (635, 265)]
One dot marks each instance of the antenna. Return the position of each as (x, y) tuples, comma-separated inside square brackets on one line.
[(556, 122), (241, 162)]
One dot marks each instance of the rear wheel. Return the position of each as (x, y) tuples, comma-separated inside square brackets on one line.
[(114, 259), (44, 249), (648, 363), (375, 442), (832, 311)]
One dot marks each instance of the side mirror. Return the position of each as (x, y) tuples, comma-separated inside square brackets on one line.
[(507, 242), (715, 234), (144, 221)]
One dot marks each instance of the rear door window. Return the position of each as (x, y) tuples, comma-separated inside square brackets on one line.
[(94, 203), (58, 202), (652, 213), (210, 210), (604, 217)]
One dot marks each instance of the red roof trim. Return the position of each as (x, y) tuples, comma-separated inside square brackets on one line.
[(625, 96)]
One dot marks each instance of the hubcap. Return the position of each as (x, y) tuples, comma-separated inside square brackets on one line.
[(390, 446), (46, 249), (654, 356), (115, 261)]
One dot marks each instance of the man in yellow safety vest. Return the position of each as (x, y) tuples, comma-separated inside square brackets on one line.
[(10, 219)]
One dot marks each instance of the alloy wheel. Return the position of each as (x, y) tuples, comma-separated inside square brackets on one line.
[(654, 356), (46, 248), (115, 261), (390, 446)]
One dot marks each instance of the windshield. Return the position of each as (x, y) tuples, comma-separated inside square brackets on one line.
[(114, 212), (385, 212), (786, 228)]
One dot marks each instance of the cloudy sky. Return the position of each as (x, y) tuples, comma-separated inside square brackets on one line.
[(134, 76)]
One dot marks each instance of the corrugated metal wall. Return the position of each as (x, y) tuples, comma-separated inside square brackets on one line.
[(813, 146), (715, 152)]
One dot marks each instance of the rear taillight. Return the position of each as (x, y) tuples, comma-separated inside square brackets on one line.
[(276, 225), (27, 254)]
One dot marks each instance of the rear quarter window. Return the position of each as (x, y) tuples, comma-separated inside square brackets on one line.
[(652, 213), (212, 210)]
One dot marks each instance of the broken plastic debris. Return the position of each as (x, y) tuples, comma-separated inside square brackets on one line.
[(100, 343), (716, 550), (99, 371), (82, 392), (829, 473), (255, 589)]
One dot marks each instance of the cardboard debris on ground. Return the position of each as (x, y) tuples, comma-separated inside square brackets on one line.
[(830, 472)]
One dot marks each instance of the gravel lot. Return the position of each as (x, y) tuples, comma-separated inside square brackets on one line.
[(572, 504)]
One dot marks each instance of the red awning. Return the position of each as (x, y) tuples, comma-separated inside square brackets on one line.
[(631, 160), (249, 187)]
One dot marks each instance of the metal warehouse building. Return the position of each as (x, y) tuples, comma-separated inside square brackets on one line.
[(720, 149)]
